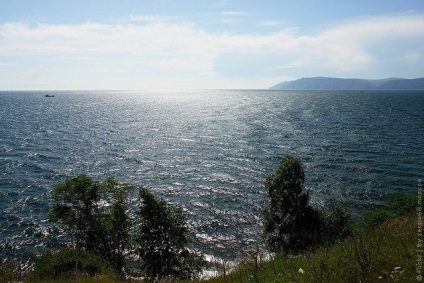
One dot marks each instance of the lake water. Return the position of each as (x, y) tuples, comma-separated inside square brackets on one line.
[(208, 151)]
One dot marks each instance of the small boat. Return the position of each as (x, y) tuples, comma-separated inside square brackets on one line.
[(49, 95)]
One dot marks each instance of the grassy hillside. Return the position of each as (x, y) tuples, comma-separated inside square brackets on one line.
[(386, 254)]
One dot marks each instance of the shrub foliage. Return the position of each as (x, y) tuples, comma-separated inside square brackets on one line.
[(291, 224), (95, 214), (71, 263), (396, 205), (162, 239), (98, 216), (9, 270)]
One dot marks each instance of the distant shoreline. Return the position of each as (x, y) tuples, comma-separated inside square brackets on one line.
[(328, 83)]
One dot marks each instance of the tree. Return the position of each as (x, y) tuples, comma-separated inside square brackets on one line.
[(290, 223), (162, 239), (95, 214)]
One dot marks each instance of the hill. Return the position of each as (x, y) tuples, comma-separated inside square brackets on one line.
[(327, 83)]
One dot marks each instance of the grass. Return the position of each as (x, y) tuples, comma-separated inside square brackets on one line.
[(386, 254), (81, 280)]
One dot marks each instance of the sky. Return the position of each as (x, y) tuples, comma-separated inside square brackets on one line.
[(205, 44)]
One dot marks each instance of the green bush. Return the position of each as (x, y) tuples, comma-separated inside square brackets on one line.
[(337, 224), (396, 205), (291, 225), (96, 215), (161, 240), (401, 204), (9, 270), (70, 263)]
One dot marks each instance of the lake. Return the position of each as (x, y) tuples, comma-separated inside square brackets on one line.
[(208, 151)]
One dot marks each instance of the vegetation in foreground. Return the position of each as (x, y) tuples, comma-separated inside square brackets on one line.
[(310, 245), (386, 253), (108, 231), (291, 224)]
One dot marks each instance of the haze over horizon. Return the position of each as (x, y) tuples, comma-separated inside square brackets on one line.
[(188, 44)]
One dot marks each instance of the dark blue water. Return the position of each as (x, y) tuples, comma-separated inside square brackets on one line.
[(208, 151)]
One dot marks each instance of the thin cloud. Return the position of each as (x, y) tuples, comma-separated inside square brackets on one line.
[(149, 45), (7, 64), (413, 57), (233, 13), (231, 16), (147, 18), (269, 24), (357, 46)]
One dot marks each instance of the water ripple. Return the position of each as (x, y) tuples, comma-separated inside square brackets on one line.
[(208, 151)]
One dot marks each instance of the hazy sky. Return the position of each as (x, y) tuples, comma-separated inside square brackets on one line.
[(192, 44)]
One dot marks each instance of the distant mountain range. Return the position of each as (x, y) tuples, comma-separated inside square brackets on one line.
[(326, 83)]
